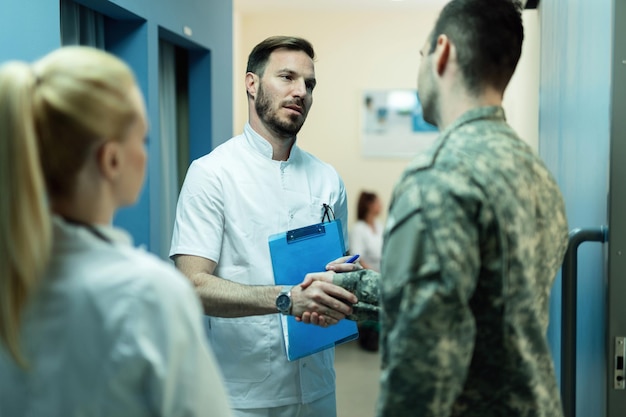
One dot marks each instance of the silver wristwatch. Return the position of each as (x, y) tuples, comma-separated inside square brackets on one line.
[(283, 301)]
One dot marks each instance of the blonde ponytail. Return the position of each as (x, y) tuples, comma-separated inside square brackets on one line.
[(25, 220), (49, 122)]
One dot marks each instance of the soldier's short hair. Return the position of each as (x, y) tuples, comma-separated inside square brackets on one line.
[(488, 36)]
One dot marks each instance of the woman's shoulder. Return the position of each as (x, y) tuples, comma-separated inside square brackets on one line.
[(121, 276), (149, 273), (102, 269)]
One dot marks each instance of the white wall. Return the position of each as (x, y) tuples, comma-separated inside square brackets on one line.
[(356, 52)]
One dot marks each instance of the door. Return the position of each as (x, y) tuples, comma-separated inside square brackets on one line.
[(616, 326), (574, 140)]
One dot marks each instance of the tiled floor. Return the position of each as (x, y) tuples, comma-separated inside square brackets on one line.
[(357, 380)]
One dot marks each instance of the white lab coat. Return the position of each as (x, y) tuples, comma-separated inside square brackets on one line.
[(113, 331), (232, 200)]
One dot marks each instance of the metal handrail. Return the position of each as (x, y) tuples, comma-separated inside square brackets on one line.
[(569, 293)]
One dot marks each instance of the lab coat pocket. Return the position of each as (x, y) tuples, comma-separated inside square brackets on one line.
[(316, 210), (242, 347)]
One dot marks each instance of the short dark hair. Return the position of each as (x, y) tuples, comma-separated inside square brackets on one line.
[(488, 36), (365, 201), (257, 60)]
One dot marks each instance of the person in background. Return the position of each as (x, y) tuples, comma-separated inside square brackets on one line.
[(89, 325), (366, 234), (475, 235), (366, 239), (254, 185)]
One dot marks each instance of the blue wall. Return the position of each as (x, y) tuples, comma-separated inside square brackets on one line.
[(30, 29), (574, 140)]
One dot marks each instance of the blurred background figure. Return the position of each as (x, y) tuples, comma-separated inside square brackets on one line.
[(366, 239), (366, 235)]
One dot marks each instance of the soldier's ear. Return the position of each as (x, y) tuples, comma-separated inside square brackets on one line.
[(441, 55)]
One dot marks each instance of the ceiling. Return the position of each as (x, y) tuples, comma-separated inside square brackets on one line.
[(334, 5)]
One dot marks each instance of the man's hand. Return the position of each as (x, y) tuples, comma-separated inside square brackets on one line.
[(363, 283), (318, 301), (340, 265)]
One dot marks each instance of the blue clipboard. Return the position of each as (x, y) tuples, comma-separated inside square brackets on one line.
[(294, 254)]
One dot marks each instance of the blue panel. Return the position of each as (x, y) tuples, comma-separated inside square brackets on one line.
[(200, 127), (28, 29), (574, 141), (128, 40)]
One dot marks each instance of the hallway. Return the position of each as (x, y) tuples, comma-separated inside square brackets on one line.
[(357, 380)]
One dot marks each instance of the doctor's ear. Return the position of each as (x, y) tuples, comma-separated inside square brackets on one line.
[(252, 81)]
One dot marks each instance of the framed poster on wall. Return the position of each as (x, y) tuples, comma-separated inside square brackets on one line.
[(393, 124)]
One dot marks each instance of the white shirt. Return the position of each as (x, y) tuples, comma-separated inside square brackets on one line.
[(367, 242), (232, 200), (113, 331)]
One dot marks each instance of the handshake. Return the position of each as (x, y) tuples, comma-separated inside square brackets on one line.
[(345, 290)]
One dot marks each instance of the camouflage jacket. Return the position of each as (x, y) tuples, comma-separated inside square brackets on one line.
[(475, 235), (365, 284)]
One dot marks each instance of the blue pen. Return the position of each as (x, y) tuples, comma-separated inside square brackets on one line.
[(353, 259)]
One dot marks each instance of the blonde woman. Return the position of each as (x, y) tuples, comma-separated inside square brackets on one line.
[(89, 325)]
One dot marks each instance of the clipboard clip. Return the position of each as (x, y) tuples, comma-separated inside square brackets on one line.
[(307, 232)]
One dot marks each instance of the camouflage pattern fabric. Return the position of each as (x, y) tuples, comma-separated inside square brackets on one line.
[(475, 235), (364, 284)]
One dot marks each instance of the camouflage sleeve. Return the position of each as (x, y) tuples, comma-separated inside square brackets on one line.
[(365, 285), (428, 331)]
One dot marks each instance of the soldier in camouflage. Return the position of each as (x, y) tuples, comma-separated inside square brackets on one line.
[(476, 233)]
